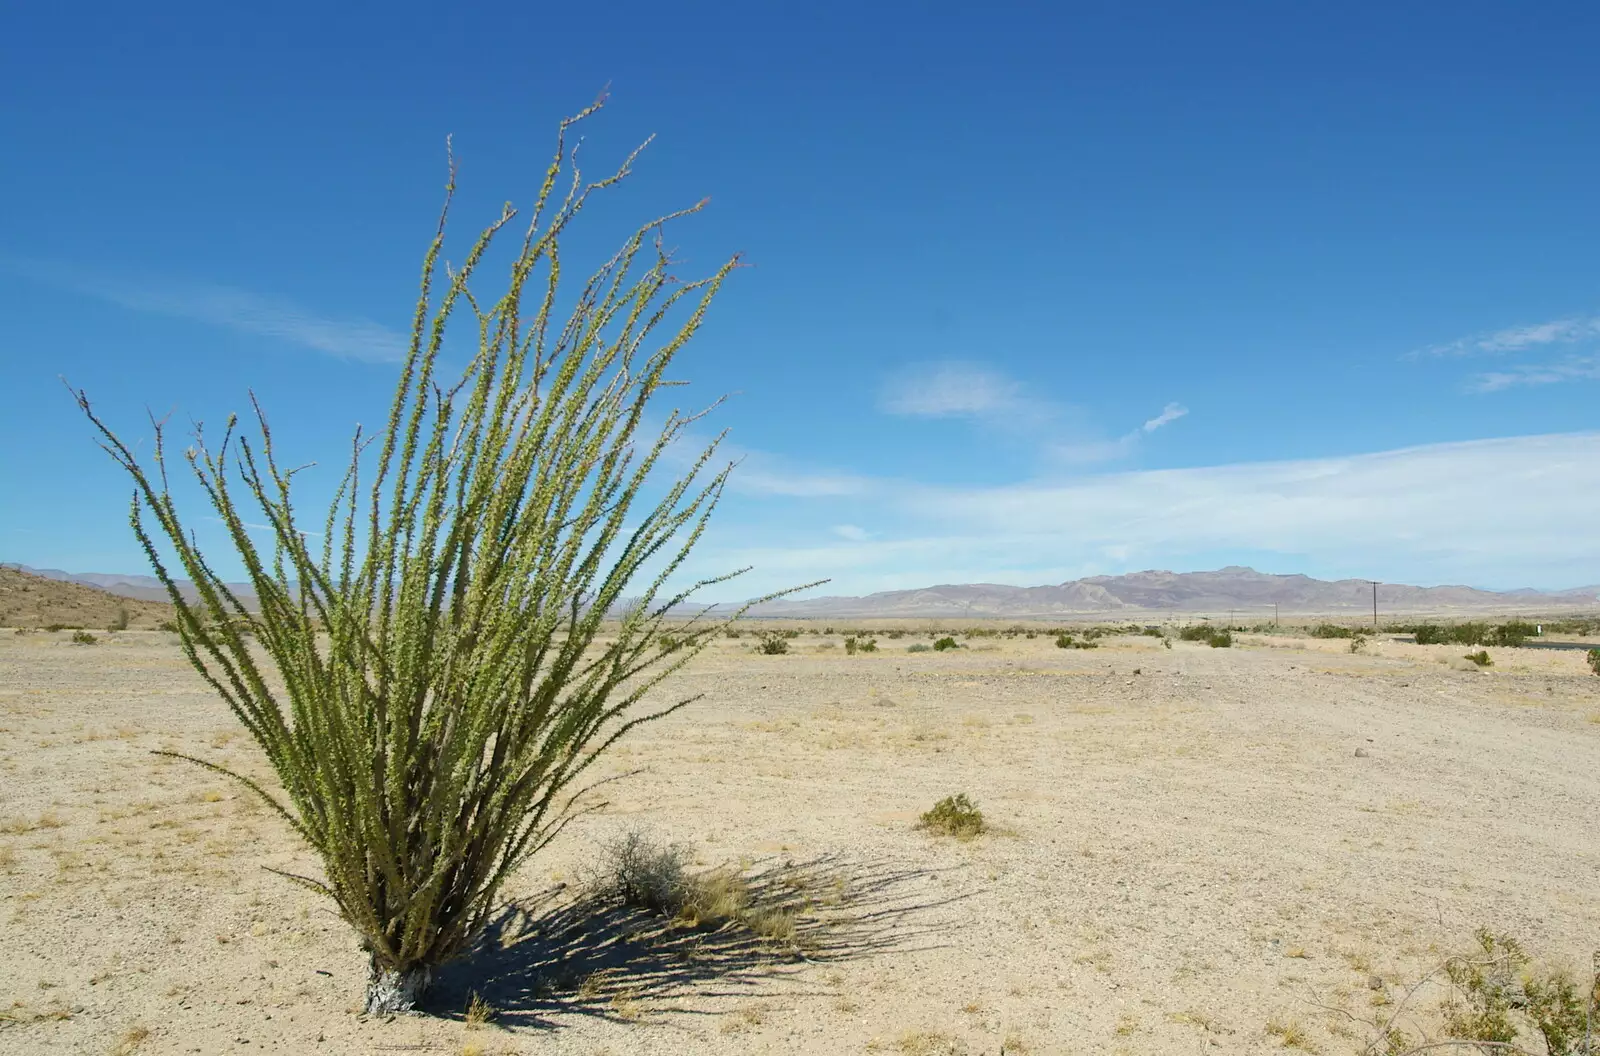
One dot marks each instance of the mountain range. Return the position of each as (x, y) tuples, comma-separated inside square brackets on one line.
[(1233, 588), (1243, 590)]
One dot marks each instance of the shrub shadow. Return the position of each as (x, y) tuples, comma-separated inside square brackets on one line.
[(571, 952)]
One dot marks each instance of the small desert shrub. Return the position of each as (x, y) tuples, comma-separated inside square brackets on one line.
[(1357, 642), (1429, 634), (1204, 632), (772, 644), (1330, 630), (918, 647), (895, 636), (169, 626), (954, 816), (1512, 635), (83, 638), (54, 627), (1481, 658), (1594, 660), (119, 622), (1152, 632), (1497, 993), (1063, 641), (641, 872), (945, 643), (1505, 635), (860, 645), (734, 632)]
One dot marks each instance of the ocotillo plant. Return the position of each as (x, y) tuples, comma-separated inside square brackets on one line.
[(443, 686)]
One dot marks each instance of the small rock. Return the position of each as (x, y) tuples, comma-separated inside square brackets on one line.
[(1361, 753), (1138, 671), (1374, 983)]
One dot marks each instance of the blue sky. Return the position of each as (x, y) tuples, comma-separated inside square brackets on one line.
[(1039, 291)]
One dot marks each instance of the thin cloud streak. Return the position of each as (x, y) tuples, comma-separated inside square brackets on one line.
[(231, 308), (1169, 414), (1573, 368), (957, 389), (1519, 338)]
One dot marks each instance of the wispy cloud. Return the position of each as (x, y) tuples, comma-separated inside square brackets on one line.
[(1417, 515), (228, 307), (956, 390), (1573, 368), (1520, 338), (983, 395), (1169, 414), (1098, 451)]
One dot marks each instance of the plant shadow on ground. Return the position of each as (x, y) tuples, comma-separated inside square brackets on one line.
[(565, 953)]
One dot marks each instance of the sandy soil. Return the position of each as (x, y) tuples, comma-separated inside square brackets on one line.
[(1183, 855)]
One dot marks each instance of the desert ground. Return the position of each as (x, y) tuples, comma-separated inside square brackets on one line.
[(1190, 850)]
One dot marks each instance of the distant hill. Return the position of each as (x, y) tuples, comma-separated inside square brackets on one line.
[(28, 600), (145, 588), (1242, 589)]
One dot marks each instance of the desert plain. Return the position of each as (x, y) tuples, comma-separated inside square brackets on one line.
[(1190, 850)]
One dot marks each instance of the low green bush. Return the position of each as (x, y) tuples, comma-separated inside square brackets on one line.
[(1481, 658), (852, 646), (1594, 660), (1204, 632), (945, 643), (773, 644), (954, 816), (918, 647), (83, 638)]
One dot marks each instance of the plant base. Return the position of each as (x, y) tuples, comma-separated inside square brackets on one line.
[(391, 991)]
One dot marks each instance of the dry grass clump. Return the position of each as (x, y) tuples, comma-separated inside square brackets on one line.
[(1292, 1034), (640, 871), (130, 1041), (479, 1012), (954, 816), (930, 1043)]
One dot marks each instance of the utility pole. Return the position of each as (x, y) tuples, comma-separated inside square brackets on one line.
[(1274, 614), (1374, 604)]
